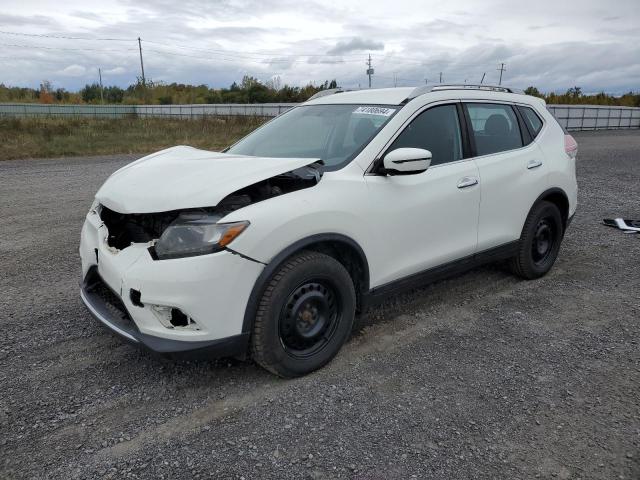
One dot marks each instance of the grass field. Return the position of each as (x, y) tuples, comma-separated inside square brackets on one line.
[(58, 137)]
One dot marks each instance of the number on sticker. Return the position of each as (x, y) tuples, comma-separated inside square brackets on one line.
[(382, 111)]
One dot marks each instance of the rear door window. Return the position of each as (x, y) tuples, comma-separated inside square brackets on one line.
[(494, 127)]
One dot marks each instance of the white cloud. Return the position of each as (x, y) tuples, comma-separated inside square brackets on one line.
[(115, 71), (546, 43), (356, 44), (73, 71)]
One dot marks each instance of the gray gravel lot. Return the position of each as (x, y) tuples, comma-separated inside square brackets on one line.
[(479, 376)]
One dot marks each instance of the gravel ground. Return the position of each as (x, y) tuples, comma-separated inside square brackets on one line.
[(479, 376)]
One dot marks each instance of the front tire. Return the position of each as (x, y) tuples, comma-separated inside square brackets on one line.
[(305, 315), (540, 241)]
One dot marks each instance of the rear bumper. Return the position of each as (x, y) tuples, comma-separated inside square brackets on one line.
[(118, 320)]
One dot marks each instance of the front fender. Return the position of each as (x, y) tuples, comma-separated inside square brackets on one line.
[(332, 206)]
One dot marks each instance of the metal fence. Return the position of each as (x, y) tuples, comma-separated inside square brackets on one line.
[(113, 111), (572, 117), (596, 117), (41, 110), (220, 109)]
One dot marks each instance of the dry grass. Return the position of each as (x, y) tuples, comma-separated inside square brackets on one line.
[(57, 137)]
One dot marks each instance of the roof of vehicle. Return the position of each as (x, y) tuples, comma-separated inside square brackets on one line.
[(398, 96), (381, 96)]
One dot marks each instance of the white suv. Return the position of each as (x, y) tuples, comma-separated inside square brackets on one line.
[(270, 247)]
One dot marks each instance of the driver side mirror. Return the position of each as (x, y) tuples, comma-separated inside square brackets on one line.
[(406, 161)]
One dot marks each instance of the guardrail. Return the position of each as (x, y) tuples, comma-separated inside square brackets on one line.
[(572, 117)]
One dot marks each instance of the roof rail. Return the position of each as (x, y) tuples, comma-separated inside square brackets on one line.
[(330, 91), (465, 86)]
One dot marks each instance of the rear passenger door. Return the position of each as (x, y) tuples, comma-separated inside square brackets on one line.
[(511, 168)]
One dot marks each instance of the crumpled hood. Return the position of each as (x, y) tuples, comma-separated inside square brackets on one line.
[(186, 177)]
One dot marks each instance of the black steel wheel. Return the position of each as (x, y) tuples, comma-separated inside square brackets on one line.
[(544, 240), (540, 241), (305, 315), (309, 318)]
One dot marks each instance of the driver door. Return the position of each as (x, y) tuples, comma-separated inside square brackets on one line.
[(421, 221)]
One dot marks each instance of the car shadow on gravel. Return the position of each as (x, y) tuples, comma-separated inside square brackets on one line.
[(381, 315)]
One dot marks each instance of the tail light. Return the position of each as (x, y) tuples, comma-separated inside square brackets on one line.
[(570, 146)]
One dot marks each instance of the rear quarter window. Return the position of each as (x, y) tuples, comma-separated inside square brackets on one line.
[(532, 119)]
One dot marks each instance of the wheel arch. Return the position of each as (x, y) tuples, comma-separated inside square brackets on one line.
[(341, 247), (560, 199)]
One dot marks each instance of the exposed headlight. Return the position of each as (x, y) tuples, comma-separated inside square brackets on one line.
[(196, 234)]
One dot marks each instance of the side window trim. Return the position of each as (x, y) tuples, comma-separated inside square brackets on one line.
[(385, 149), (469, 128), (468, 146), (525, 134)]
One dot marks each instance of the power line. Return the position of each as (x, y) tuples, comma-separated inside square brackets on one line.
[(232, 58), (237, 55), (65, 37), (229, 53), (267, 54), (41, 47)]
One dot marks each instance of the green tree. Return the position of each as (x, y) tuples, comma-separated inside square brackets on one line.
[(533, 91), (91, 93)]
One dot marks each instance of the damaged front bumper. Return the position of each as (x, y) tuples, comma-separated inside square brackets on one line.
[(135, 296), (103, 306)]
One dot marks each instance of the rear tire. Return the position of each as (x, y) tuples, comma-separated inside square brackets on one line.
[(304, 316), (540, 241)]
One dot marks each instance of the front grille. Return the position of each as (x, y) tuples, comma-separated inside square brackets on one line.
[(98, 288), (112, 301)]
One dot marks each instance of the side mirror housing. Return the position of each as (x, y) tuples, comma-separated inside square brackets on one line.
[(406, 161)]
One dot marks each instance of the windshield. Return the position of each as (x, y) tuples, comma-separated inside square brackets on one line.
[(333, 133)]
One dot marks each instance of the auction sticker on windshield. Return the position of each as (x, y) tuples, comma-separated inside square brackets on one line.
[(382, 111)]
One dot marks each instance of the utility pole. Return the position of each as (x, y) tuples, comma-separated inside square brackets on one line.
[(483, 75), (101, 92), (144, 82), (440, 77), (395, 79), (501, 69), (369, 70)]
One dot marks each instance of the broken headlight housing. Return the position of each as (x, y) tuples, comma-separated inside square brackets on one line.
[(194, 234)]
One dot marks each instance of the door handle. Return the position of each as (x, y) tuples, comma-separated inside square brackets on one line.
[(467, 182), (534, 164)]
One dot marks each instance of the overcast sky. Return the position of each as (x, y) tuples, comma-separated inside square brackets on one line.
[(552, 44)]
